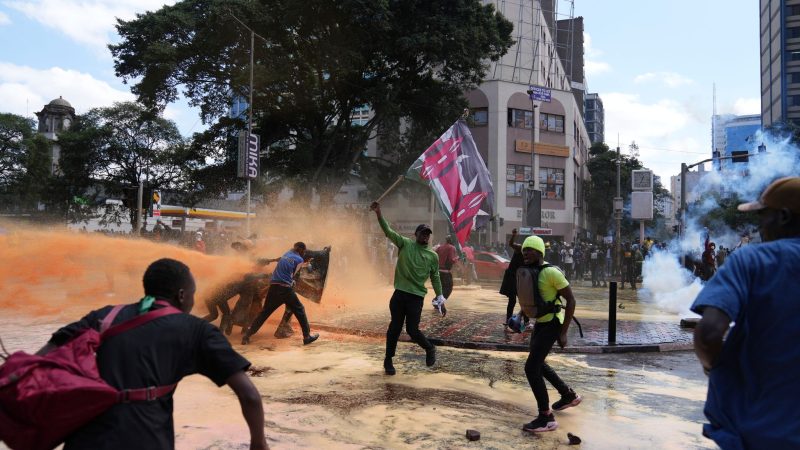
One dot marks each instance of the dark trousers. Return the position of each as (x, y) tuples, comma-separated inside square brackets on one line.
[(447, 283), (512, 302), (406, 308), (213, 313), (542, 340), (276, 296), (629, 275)]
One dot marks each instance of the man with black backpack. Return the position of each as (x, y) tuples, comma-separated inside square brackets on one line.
[(145, 363), (542, 289)]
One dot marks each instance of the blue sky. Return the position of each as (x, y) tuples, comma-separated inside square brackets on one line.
[(653, 63)]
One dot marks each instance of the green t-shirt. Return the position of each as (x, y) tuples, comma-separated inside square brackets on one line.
[(552, 280), (415, 263)]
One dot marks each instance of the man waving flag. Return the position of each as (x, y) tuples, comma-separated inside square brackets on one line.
[(454, 169)]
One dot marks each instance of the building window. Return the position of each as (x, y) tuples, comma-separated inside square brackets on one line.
[(551, 122), (551, 182), (794, 56), (793, 100), (360, 115), (517, 177), (739, 156), (794, 78), (480, 117), (793, 10), (792, 33), (519, 118)]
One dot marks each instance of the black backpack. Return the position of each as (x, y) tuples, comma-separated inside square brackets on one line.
[(530, 299)]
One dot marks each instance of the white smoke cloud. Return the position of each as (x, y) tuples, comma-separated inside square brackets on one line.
[(665, 282)]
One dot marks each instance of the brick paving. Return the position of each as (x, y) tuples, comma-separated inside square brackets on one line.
[(468, 329)]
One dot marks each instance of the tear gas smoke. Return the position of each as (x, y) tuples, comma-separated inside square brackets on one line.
[(668, 285), (664, 280)]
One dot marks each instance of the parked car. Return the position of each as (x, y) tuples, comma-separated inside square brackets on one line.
[(490, 266)]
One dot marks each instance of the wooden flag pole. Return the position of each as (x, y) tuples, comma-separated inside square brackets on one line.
[(391, 188)]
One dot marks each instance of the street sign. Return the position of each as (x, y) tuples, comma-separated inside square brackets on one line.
[(525, 230), (253, 161), (542, 231), (540, 94), (156, 204), (248, 159), (241, 155), (642, 205)]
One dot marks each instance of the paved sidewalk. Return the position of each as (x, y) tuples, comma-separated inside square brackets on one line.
[(475, 320)]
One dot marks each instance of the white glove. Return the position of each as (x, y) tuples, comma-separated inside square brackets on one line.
[(438, 303)]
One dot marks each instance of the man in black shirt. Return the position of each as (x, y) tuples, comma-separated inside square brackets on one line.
[(159, 353)]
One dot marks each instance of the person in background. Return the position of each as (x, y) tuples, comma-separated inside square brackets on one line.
[(199, 243), (509, 285), (753, 366), (447, 258)]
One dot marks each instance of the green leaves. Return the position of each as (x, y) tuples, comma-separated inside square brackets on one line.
[(316, 62)]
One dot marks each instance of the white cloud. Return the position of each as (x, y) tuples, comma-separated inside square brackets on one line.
[(24, 90), (744, 106), (665, 132), (595, 68), (670, 79), (592, 66), (4, 19), (88, 22)]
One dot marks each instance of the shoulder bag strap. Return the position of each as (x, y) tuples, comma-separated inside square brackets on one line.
[(109, 318), (139, 320)]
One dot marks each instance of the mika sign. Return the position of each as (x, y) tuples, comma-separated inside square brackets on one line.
[(248, 164)]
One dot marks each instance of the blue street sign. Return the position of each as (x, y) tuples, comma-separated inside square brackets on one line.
[(540, 94)]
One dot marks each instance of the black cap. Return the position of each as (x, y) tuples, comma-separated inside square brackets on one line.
[(423, 227)]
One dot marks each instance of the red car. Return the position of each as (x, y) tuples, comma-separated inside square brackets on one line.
[(490, 265)]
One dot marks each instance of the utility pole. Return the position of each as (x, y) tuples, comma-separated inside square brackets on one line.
[(533, 184), (618, 211), (250, 122), (249, 106), (139, 202)]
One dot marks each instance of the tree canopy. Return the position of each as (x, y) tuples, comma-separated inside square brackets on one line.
[(25, 162), (109, 150), (603, 188), (316, 62)]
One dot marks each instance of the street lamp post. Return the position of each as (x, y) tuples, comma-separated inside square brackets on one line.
[(618, 212), (762, 150), (531, 189)]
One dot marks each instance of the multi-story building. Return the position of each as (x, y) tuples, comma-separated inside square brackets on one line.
[(780, 61), (595, 118), (734, 136), (692, 180), (505, 118), (547, 53)]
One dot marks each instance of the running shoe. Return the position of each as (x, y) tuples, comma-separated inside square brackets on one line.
[(541, 424), (567, 401)]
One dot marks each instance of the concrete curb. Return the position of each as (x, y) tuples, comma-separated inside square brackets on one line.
[(619, 348)]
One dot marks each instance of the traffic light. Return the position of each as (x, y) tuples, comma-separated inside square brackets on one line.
[(502, 221)]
